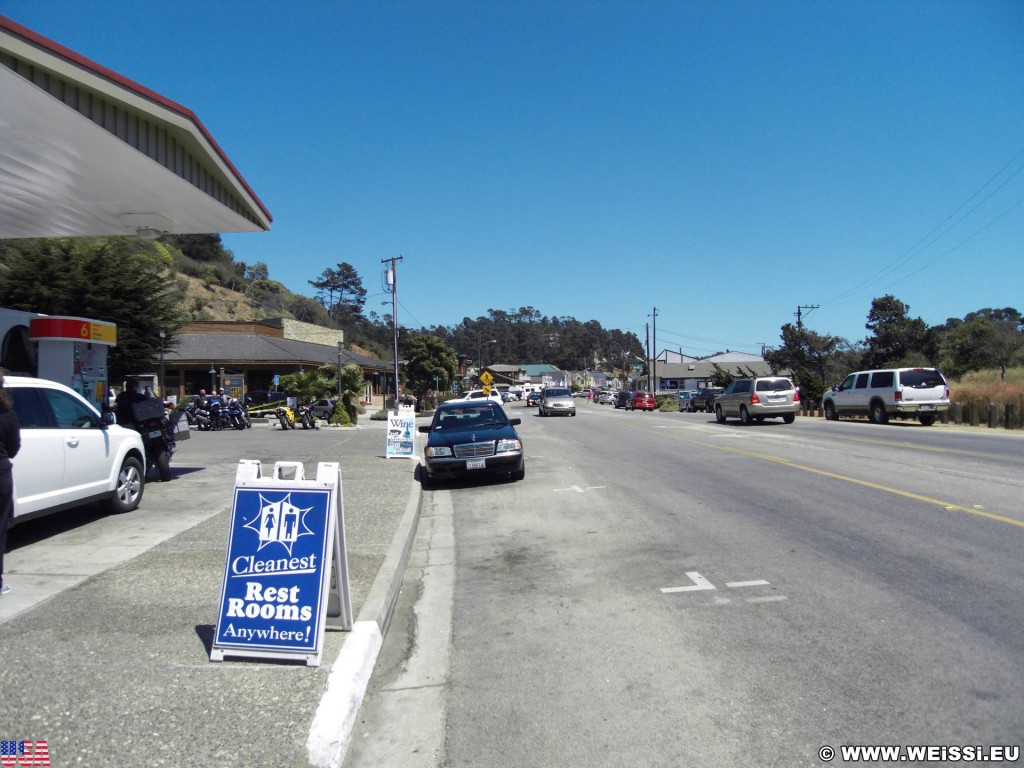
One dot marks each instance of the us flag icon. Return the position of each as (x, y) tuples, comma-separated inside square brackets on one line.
[(22, 752)]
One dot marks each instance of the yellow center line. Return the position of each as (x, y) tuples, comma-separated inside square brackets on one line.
[(946, 505)]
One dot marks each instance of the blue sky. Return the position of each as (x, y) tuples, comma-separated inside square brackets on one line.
[(725, 162)]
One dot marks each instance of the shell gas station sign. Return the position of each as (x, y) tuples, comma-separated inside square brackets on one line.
[(70, 350), (73, 329)]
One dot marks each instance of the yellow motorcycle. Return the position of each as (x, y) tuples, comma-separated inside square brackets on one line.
[(286, 416)]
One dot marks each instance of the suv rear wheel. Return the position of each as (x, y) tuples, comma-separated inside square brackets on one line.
[(745, 419), (719, 416), (926, 419), (878, 413)]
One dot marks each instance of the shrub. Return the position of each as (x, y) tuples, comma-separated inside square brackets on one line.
[(668, 403)]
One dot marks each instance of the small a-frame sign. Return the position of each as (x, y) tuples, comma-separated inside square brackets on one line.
[(286, 569)]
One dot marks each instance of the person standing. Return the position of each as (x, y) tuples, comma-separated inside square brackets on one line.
[(10, 444), (124, 402)]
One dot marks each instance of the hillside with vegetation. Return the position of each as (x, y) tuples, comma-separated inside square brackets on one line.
[(149, 286)]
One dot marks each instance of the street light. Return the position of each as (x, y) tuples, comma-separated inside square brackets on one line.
[(480, 356)]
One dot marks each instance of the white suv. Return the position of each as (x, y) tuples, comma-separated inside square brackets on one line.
[(478, 394), (880, 394), (69, 455)]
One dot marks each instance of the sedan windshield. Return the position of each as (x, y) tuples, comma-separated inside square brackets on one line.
[(557, 393), (468, 417)]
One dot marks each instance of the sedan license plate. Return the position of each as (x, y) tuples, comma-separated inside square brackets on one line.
[(156, 433), (475, 463)]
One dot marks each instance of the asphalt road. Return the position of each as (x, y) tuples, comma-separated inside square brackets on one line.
[(662, 590)]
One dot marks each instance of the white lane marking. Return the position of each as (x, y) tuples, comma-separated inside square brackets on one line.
[(577, 489), (774, 599), (699, 583), (741, 584)]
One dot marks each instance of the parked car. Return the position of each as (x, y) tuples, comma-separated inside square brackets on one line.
[(764, 397), (620, 398), (556, 400), (606, 396), (70, 454), (881, 394), (533, 398), (684, 397), (323, 409), (479, 394), (641, 400), (704, 399), (472, 438)]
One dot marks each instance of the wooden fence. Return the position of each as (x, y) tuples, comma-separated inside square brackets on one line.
[(993, 415)]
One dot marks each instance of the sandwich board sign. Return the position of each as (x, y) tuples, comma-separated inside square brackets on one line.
[(286, 572), (402, 433)]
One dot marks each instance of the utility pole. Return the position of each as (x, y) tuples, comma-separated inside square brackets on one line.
[(799, 315), (393, 287), (654, 361), (647, 343)]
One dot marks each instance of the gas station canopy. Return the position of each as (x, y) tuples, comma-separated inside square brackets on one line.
[(86, 152)]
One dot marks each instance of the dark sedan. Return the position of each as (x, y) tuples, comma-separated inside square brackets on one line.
[(472, 438)]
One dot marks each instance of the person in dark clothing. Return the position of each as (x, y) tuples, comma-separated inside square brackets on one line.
[(10, 444), (126, 400)]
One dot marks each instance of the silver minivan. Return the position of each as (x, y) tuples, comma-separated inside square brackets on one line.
[(884, 393)]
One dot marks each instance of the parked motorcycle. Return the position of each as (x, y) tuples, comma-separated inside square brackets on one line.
[(286, 416), (205, 418), (307, 418), (236, 414), (157, 430)]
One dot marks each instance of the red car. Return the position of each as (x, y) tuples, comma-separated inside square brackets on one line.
[(641, 401)]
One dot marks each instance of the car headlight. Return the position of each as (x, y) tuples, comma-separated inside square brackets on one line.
[(440, 450), (509, 445)]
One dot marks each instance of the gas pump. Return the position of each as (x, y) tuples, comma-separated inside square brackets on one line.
[(68, 350)]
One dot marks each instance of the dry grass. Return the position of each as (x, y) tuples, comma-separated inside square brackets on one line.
[(981, 388)]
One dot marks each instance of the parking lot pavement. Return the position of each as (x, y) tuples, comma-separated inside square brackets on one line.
[(106, 634)]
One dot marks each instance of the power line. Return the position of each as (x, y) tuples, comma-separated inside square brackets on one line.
[(940, 230)]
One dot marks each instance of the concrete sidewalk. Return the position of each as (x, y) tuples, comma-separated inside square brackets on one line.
[(106, 642)]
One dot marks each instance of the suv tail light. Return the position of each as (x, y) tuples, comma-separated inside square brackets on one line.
[(796, 396), (899, 395), (754, 399)]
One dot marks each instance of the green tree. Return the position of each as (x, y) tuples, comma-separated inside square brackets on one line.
[(352, 385), (810, 357), (119, 279), (309, 385), (428, 357), (341, 292), (982, 340), (897, 339)]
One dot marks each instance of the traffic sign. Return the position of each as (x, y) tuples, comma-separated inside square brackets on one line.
[(486, 378)]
